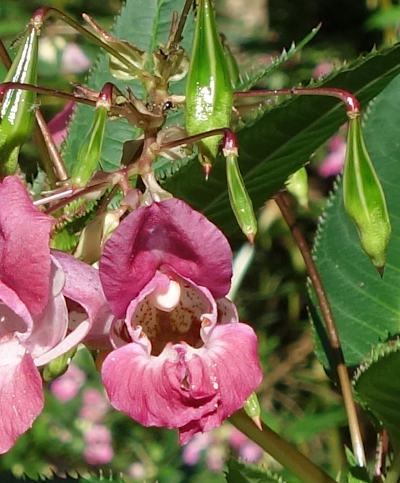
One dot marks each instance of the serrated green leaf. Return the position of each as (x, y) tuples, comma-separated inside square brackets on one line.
[(238, 472), (251, 79), (283, 140), (365, 307), (144, 23), (378, 387)]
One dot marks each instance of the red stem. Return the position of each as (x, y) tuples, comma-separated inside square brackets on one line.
[(349, 100)]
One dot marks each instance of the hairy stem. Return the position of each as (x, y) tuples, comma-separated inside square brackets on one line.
[(182, 20), (286, 454), (333, 335), (350, 101)]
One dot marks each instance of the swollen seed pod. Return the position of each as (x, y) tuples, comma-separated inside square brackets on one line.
[(16, 111), (239, 198), (364, 200), (297, 185), (90, 151), (209, 95)]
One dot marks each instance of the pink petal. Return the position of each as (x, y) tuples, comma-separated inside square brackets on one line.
[(14, 314), (50, 326), (190, 389), (82, 285), (168, 236), (24, 245), (58, 126), (21, 395)]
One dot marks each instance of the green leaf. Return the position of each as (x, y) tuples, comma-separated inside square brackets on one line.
[(145, 24), (282, 140), (378, 387), (354, 474), (238, 472), (249, 80), (365, 307)]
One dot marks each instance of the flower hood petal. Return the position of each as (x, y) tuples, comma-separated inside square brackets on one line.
[(167, 235), (82, 285), (21, 394), (24, 245), (186, 388)]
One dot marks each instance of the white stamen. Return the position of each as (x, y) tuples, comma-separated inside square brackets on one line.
[(166, 300)]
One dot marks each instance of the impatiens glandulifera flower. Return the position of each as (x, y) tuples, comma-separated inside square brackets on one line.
[(182, 359), (35, 288)]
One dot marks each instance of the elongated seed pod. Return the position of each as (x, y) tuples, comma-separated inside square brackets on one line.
[(364, 200), (17, 107), (209, 95), (241, 204), (90, 151)]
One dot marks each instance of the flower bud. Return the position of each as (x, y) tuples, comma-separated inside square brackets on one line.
[(364, 200), (209, 96), (17, 107), (252, 409)]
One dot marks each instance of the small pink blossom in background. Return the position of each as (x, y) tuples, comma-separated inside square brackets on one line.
[(192, 451), (322, 70), (74, 60), (137, 471), (250, 452), (333, 162), (94, 405), (58, 125), (98, 450), (67, 386), (215, 458)]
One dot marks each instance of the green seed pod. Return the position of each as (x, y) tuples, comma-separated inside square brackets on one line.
[(297, 185), (233, 68), (16, 111), (364, 200), (240, 200), (209, 95), (252, 409), (90, 151)]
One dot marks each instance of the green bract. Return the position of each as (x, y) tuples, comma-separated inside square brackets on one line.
[(209, 96), (17, 107), (364, 199)]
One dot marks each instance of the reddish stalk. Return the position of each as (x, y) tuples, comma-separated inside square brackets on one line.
[(350, 101), (332, 332)]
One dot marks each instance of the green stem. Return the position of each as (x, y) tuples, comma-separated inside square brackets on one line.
[(286, 454), (393, 475)]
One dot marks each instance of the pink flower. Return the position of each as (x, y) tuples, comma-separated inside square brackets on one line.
[(66, 387), (95, 405), (181, 359), (74, 60), (58, 125), (333, 162), (98, 450), (35, 327)]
